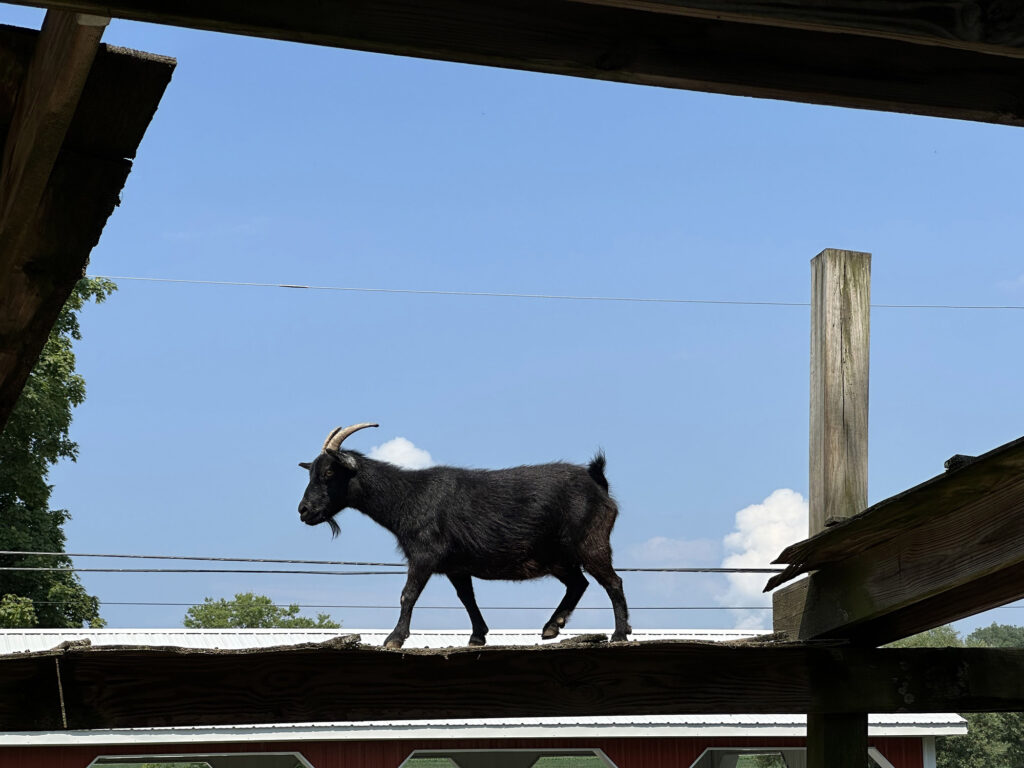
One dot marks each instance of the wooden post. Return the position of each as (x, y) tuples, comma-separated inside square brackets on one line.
[(840, 332)]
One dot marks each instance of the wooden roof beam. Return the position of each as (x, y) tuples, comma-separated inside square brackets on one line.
[(110, 687), (46, 104), (946, 549), (663, 43), (988, 25)]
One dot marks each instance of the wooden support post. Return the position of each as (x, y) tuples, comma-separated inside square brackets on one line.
[(840, 324), (837, 741)]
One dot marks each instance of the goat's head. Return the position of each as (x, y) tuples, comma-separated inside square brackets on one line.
[(330, 474)]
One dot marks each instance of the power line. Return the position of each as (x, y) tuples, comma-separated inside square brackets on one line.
[(548, 296), (196, 557), (345, 573), (291, 562)]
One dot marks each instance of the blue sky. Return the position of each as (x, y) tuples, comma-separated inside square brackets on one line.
[(275, 162)]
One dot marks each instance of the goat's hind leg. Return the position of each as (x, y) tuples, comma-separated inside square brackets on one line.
[(599, 565), (575, 585), (464, 589)]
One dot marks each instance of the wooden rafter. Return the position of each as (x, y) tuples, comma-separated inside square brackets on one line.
[(110, 687), (882, 54), (948, 548), (46, 104), (72, 128)]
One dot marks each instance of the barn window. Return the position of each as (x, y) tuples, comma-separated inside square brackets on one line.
[(508, 758), (205, 760)]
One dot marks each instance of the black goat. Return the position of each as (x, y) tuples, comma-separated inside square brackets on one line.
[(514, 524)]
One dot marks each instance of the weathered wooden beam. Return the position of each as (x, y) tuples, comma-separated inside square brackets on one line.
[(104, 687), (917, 75), (46, 104), (989, 25), (81, 187), (838, 455), (840, 339), (943, 565)]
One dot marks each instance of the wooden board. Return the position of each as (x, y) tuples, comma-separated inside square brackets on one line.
[(947, 549), (107, 687), (843, 66), (81, 188), (987, 25), (840, 349)]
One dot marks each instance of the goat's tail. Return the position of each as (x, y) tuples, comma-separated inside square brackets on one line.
[(596, 470)]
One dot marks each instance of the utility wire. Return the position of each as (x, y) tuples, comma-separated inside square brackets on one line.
[(210, 559), (551, 296), (294, 562), (346, 573)]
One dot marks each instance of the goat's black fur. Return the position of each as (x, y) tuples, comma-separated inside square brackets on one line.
[(515, 524)]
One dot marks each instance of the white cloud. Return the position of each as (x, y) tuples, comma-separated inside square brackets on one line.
[(402, 453), (762, 531)]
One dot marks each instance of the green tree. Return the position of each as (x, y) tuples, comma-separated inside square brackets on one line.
[(35, 438), (249, 611), (994, 739)]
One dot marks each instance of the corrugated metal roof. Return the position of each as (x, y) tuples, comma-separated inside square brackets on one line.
[(20, 640)]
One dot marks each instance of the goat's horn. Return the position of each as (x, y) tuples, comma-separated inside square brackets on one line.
[(338, 435)]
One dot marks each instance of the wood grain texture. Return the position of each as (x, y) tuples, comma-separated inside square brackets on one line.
[(990, 25), (45, 105), (905, 511), (628, 44), (840, 338), (82, 188), (949, 564), (108, 687)]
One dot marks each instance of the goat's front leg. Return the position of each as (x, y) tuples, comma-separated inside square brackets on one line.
[(415, 580)]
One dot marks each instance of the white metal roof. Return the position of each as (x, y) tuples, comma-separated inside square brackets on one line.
[(19, 640), (769, 726)]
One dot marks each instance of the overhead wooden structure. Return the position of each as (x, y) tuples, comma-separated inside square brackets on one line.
[(121, 687), (73, 112), (956, 58), (945, 549)]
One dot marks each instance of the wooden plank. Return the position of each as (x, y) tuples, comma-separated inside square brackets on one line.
[(837, 741), (943, 565), (119, 98), (838, 456), (956, 23), (107, 687), (630, 45), (46, 104), (840, 331), (903, 512)]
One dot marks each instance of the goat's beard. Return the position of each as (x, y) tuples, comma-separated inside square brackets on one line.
[(335, 528)]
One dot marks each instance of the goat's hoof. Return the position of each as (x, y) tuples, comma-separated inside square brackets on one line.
[(394, 643), (476, 640), (620, 637), (550, 631)]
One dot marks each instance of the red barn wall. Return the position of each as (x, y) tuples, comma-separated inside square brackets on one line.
[(624, 752)]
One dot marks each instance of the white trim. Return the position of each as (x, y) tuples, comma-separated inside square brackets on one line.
[(879, 758), (928, 745), (608, 727)]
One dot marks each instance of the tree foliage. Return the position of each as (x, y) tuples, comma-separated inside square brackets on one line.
[(35, 438), (249, 611), (994, 739)]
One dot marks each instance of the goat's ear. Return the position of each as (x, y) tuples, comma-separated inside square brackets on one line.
[(305, 465), (348, 461)]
